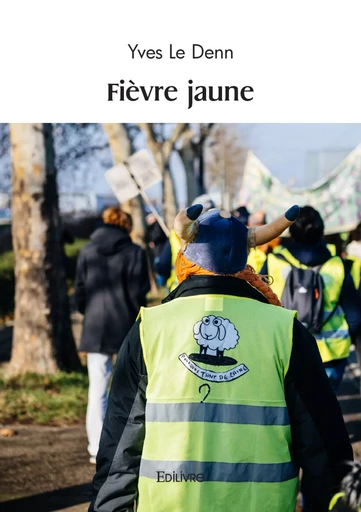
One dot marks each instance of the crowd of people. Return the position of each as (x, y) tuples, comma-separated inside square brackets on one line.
[(227, 389)]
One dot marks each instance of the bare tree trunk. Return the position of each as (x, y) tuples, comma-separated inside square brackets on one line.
[(169, 194), (199, 148), (188, 156), (120, 146), (225, 161), (170, 203), (118, 141), (201, 170), (43, 341), (154, 146), (161, 153), (191, 153)]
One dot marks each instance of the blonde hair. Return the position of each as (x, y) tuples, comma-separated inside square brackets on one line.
[(185, 268), (118, 217)]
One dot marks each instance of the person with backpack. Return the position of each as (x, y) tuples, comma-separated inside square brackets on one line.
[(308, 279), (219, 395)]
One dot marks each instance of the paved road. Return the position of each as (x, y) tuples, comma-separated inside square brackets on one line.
[(45, 469)]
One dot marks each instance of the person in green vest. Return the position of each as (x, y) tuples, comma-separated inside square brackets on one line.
[(165, 263), (332, 249), (341, 307), (335, 243), (349, 498), (219, 396), (258, 255), (353, 261), (353, 251), (174, 242)]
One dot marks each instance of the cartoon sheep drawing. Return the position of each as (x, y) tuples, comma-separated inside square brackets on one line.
[(215, 334)]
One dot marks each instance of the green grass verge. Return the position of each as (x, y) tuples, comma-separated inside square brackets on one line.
[(7, 264), (72, 250), (57, 400)]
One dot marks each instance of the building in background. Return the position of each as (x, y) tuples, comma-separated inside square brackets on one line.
[(5, 212), (87, 202), (4, 201)]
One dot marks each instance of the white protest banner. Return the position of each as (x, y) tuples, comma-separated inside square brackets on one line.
[(121, 183), (144, 169), (132, 177), (139, 169), (337, 196)]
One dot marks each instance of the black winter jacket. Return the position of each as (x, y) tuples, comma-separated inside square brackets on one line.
[(111, 285), (320, 442)]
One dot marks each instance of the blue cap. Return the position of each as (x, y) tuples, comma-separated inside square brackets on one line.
[(220, 244)]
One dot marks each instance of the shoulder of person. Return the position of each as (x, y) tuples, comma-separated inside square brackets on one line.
[(85, 249), (138, 249)]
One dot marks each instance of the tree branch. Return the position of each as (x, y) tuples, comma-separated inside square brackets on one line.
[(169, 144)]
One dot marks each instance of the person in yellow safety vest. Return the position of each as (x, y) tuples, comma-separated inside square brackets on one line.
[(219, 396), (172, 281), (335, 244), (353, 261), (353, 251), (165, 263), (350, 496), (257, 256), (341, 307), (332, 249)]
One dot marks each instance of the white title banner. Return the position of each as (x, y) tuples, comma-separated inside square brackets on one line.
[(187, 61)]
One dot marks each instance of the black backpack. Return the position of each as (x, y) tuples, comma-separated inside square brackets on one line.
[(304, 292)]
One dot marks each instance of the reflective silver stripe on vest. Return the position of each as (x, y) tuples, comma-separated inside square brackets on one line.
[(217, 413), (217, 471), (341, 333), (338, 312)]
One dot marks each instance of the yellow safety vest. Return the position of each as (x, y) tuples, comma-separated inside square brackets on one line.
[(175, 246), (279, 248), (335, 500), (334, 340), (355, 270), (332, 249), (217, 431), (256, 259)]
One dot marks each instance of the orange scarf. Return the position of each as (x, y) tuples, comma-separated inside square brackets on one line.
[(185, 268)]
